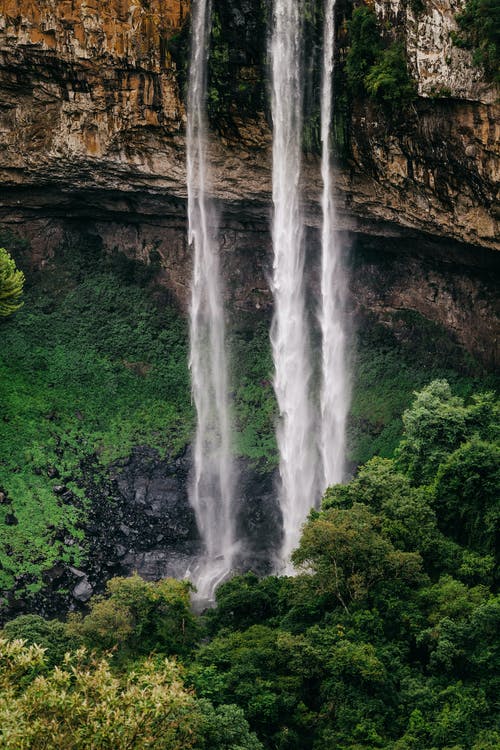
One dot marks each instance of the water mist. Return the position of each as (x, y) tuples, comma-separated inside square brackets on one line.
[(334, 387), (289, 335), (211, 490)]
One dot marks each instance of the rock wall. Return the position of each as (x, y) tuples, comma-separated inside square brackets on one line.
[(82, 81), (92, 140), (440, 68)]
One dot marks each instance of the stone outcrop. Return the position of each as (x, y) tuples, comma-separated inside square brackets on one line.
[(440, 67), (92, 142), (91, 100), (139, 520)]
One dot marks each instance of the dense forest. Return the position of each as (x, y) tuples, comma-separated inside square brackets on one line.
[(387, 637)]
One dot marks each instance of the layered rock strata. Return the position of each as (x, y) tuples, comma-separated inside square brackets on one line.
[(92, 141)]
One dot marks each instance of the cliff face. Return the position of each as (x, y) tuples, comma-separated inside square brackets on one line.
[(81, 82), (92, 140)]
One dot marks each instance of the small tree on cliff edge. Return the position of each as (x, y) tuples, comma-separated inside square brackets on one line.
[(11, 284)]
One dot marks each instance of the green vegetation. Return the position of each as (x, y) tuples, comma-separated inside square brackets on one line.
[(236, 65), (479, 30), (389, 364), (374, 66), (84, 704), (137, 617), (11, 284), (255, 408), (387, 638), (90, 366), (96, 363)]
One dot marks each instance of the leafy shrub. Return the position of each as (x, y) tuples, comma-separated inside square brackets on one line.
[(11, 284), (479, 25), (137, 617), (51, 635), (84, 704), (388, 80), (372, 66), (365, 44)]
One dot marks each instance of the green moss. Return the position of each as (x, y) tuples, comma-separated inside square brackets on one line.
[(255, 402), (389, 364), (236, 65), (479, 30)]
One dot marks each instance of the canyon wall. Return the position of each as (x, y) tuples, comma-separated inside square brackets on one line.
[(92, 141)]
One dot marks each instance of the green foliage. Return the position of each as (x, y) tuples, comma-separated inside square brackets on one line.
[(83, 704), (387, 638), (137, 617), (91, 366), (437, 424), (382, 641), (433, 427), (375, 67), (255, 405), (388, 81), (350, 556), (51, 635), (365, 45), (244, 601), (479, 29), (236, 64), (389, 364), (11, 284), (467, 495), (225, 728)]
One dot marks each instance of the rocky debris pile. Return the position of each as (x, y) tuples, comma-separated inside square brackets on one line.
[(139, 520)]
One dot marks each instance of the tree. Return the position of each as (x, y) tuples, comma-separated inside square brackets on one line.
[(137, 617), (84, 704), (434, 426), (349, 555), (467, 495), (51, 635), (11, 284)]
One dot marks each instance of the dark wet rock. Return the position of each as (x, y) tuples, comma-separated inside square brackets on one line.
[(77, 573), (259, 522), (83, 590), (53, 473), (53, 573), (140, 520), (11, 520), (59, 489)]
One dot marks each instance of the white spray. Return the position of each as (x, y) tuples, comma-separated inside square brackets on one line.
[(289, 336), (334, 386), (211, 490)]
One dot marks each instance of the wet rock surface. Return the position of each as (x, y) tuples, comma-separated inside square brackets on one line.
[(140, 520)]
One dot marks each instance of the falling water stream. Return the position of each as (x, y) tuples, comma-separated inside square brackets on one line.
[(334, 388), (289, 335), (211, 490), (307, 463)]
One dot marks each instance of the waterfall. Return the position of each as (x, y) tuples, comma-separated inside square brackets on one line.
[(211, 490), (289, 334), (334, 388)]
